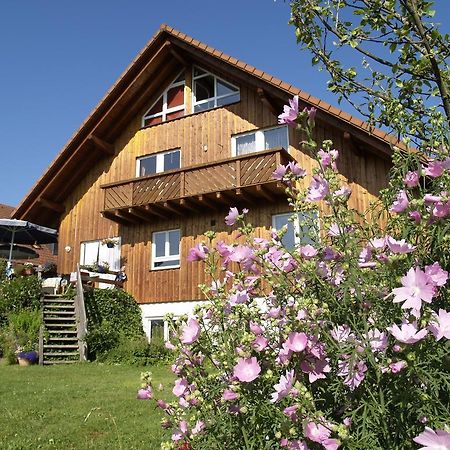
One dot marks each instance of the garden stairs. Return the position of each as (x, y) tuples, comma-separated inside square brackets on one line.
[(60, 341)]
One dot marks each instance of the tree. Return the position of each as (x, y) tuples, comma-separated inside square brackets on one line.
[(403, 80)]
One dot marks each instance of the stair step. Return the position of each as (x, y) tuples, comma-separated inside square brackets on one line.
[(61, 331), (61, 354), (53, 296), (64, 313), (62, 346), (56, 338), (56, 306), (57, 300), (60, 361), (53, 319)]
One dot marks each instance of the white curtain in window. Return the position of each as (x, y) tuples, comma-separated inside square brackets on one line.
[(110, 255), (89, 252)]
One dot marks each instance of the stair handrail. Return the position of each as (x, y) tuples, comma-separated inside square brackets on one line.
[(80, 313)]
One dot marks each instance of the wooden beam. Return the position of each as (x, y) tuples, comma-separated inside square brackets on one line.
[(141, 214), (102, 145), (112, 216), (268, 101), (153, 209), (122, 214), (224, 198), (243, 195), (177, 55), (173, 209), (261, 190), (204, 201), (49, 204), (188, 204)]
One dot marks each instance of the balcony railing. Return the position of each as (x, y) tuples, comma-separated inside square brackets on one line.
[(244, 178)]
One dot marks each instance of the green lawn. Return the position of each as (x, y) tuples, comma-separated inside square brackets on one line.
[(83, 406)]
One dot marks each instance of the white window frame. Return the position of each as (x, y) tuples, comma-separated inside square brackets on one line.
[(165, 109), (166, 257), (99, 243), (159, 161), (296, 224), (259, 138), (216, 97), (149, 327)]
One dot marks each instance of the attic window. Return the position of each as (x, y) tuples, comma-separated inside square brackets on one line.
[(210, 91), (169, 106)]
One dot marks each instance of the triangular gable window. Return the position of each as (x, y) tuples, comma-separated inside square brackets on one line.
[(169, 106), (210, 91)]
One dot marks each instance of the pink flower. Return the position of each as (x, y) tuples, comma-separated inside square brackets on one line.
[(145, 394), (284, 386), (416, 216), (378, 243), (191, 332), (435, 169), (401, 203), (290, 112), (411, 179), (438, 275), (397, 366), (441, 209), (198, 253), (232, 216), (430, 198), (279, 172), (296, 342), (325, 158), (199, 427), (433, 440), (353, 375), (180, 388), (440, 327), (229, 395), (408, 333), (344, 192), (321, 434), (399, 246), (417, 287), (378, 340), (308, 251), (247, 369), (342, 333), (239, 297), (296, 169), (260, 343), (315, 368), (318, 189), (255, 328)]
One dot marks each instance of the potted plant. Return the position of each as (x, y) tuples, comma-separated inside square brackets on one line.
[(110, 242), (26, 358), (28, 269), (102, 267)]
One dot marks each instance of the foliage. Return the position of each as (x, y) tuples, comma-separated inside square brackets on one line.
[(341, 343), (137, 352), (21, 334), (398, 71), (17, 294), (113, 317), (78, 406), (3, 265)]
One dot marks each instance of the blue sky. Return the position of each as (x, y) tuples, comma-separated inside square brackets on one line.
[(59, 57)]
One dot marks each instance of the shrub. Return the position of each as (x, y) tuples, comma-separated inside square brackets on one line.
[(3, 264), (17, 294), (21, 333), (101, 338), (137, 352)]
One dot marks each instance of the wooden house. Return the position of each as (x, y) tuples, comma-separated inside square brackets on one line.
[(185, 133)]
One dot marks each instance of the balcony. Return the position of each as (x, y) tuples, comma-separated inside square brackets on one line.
[(245, 179)]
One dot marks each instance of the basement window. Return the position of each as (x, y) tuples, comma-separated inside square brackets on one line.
[(158, 163), (169, 106), (165, 249), (210, 91), (302, 228), (259, 140)]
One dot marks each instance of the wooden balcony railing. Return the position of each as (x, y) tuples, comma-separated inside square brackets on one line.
[(243, 178)]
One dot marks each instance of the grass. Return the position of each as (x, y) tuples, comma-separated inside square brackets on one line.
[(83, 406)]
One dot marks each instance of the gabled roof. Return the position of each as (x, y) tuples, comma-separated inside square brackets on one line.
[(166, 51)]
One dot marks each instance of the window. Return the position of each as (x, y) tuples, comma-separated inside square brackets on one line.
[(210, 91), (169, 106), (157, 163), (96, 252), (166, 249), (157, 329), (302, 229), (260, 140)]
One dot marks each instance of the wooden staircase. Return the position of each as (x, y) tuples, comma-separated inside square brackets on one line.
[(61, 338), (60, 344)]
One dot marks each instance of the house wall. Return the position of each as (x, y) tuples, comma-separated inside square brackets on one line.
[(203, 137)]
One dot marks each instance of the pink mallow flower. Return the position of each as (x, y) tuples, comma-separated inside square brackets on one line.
[(308, 251), (181, 387), (435, 169), (417, 286), (279, 173), (296, 169), (198, 253), (290, 112), (191, 332), (401, 202), (284, 386), (415, 216), (247, 369), (232, 216), (316, 432), (260, 343), (353, 375), (411, 179), (315, 368), (399, 246), (407, 333), (145, 394), (378, 340), (296, 342), (440, 325), (438, 275), (199, 427), (433, 440), (229, 395), (318, 189)]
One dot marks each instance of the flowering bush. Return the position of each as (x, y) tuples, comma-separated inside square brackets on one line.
[(340, 342)]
